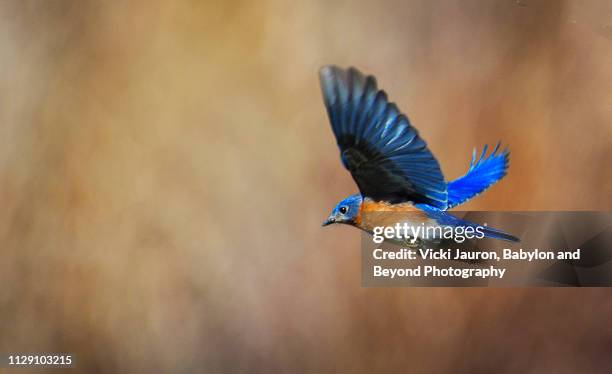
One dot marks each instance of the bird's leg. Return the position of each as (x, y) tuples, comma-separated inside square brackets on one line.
[(419, 242), (412, 243)]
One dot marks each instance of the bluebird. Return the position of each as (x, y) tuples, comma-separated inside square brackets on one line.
[(391, 164)]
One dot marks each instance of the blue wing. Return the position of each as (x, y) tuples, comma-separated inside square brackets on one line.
[(481, 175), (384, 153)]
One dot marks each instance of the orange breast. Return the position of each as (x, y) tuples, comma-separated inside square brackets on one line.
[(380, 213)]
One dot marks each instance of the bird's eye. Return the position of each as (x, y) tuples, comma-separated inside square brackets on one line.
[(343, 209)]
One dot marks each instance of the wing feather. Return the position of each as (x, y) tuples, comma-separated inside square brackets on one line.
[(384, 153)]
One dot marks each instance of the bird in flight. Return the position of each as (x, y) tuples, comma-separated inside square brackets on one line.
[(395, 172)]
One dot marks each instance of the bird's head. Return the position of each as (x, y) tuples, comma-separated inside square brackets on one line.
[(346, 211)]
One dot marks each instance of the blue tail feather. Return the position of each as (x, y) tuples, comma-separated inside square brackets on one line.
[(490, 232), (444, 218), (481, 175)]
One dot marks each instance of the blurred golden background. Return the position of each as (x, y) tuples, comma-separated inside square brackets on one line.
[(166, 166)]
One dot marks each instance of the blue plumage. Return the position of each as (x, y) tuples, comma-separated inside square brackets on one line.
[(481, 175), (444, 218), (378, 145), (388, 159)]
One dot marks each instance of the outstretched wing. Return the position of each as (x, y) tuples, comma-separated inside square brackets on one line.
[(383, 152)]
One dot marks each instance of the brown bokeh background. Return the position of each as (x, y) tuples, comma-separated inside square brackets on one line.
[(165, 168)]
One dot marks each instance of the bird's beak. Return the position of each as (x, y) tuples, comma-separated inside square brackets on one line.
[(328, 221)]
